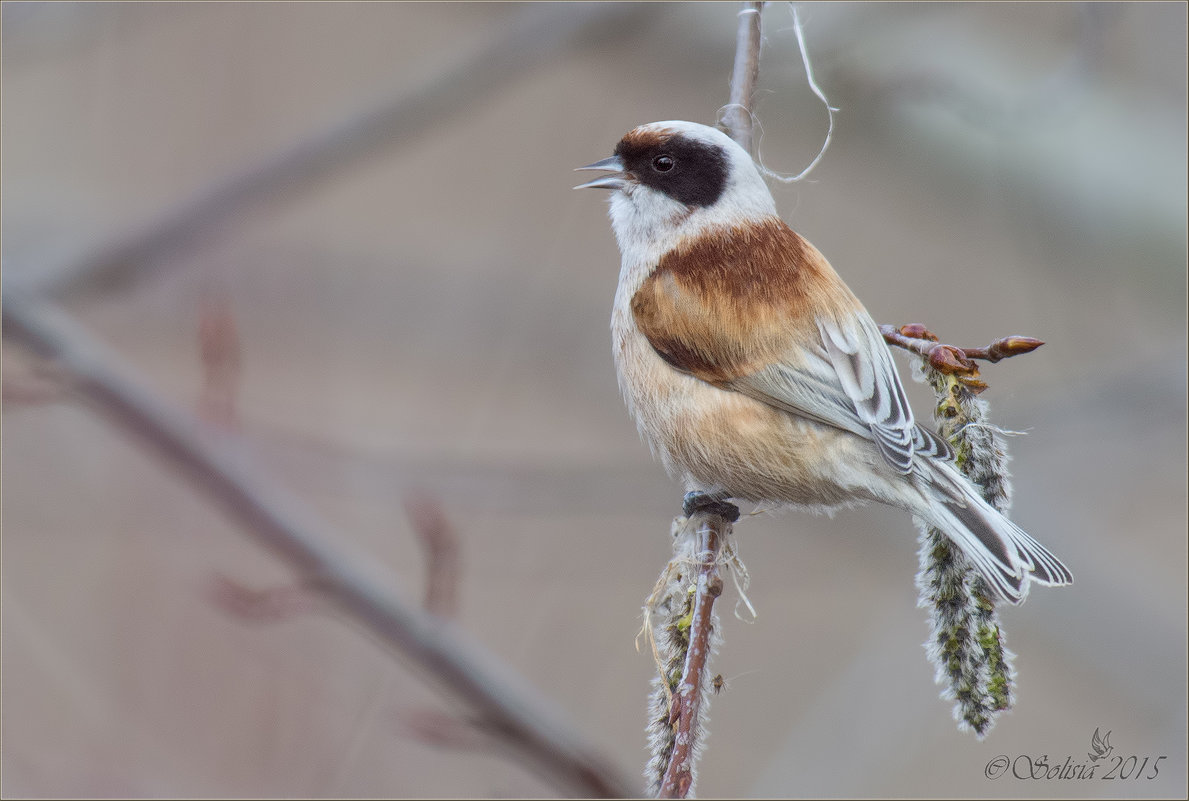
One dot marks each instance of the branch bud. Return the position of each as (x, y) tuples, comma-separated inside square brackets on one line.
[(917, 331), (952, 361), (1012, 346)]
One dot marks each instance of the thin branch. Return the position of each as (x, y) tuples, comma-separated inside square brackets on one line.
[(285, 602), (684, 633), (952, 360), (538, 32), (737, 114), (278, 520), (686, 716)]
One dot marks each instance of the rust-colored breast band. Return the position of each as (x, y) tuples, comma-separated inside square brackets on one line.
[(727, 303)]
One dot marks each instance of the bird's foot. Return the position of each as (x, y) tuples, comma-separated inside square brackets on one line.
[(710, 504)]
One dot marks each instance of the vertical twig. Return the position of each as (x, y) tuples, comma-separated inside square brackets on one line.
[(737, 113), (690, 698), (685, 633)]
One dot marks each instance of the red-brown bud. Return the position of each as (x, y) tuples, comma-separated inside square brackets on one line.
[(951, 360), (917, 331), (1012, 346)]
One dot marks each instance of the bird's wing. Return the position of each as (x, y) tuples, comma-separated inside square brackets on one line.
[(864, 368), (784, 330), (846, 377)]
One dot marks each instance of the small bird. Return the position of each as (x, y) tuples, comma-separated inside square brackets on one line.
[(751, 369)]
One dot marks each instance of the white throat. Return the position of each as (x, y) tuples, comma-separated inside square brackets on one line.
[(648, 223)]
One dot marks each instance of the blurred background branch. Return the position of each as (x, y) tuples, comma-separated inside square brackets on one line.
[(538, 32), (527, 723)]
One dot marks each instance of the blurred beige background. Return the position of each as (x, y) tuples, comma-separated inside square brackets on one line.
[(435, 316)]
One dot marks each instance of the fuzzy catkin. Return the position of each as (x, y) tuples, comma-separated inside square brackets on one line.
[(668, 616), (966, 639)]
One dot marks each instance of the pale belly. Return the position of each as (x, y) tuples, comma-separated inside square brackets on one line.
[(716, 440)]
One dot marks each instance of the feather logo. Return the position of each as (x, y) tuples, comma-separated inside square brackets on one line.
[(1100, 745)]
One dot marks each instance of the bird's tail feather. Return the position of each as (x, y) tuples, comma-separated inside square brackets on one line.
[(1007, 557)]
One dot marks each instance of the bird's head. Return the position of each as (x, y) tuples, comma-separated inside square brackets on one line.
[(674, 179)]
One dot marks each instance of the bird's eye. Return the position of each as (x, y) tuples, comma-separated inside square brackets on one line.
[(663, 163)]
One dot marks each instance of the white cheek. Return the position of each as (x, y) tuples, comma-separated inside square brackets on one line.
[(649, 223)]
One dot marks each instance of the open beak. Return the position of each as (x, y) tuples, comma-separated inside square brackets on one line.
[(617, 180)]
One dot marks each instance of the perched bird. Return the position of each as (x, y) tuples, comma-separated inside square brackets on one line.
[(753, 371)]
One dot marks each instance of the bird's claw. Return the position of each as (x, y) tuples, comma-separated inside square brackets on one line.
[(711, 504)]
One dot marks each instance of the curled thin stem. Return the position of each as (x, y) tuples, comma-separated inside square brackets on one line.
[(799, 32)]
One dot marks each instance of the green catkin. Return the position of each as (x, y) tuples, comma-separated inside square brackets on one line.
[(966, 639)]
